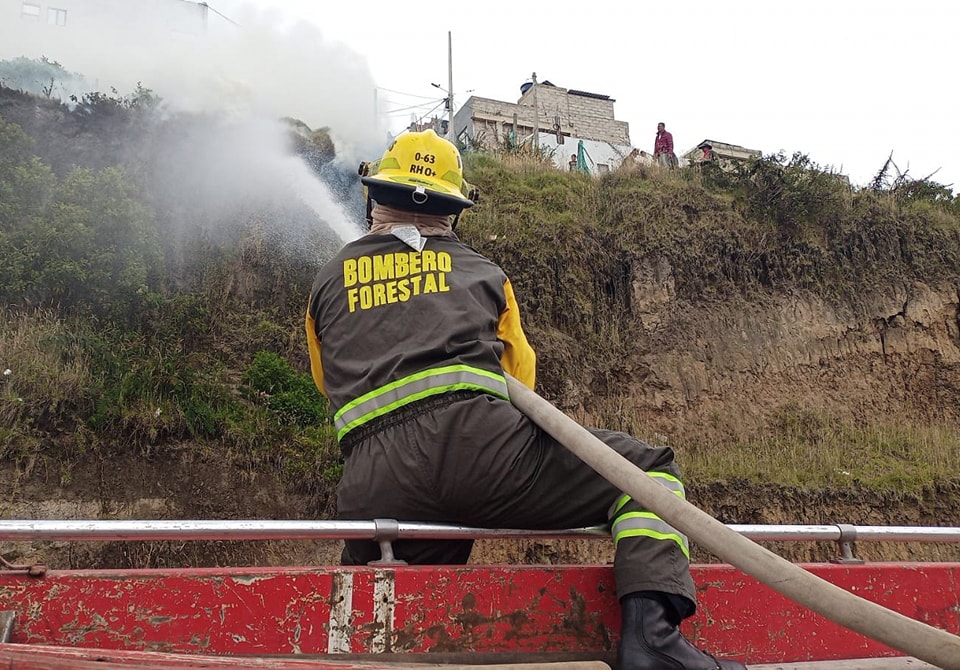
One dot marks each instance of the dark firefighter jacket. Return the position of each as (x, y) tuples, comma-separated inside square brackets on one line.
[(388, 326)]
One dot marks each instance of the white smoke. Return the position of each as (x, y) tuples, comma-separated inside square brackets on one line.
[(249, 63), (220, 171), (248, 66)]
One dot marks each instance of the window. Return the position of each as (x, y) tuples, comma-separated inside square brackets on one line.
[(30, 11), (57, 17)]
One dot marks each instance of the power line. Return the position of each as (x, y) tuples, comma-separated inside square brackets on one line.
[(390, 90), (409, 107), (401, 112), (219, 13), (422, 117)]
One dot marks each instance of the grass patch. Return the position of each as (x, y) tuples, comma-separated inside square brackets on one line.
[(46, 380), (808, 449)]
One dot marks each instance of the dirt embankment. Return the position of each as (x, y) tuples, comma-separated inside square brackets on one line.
[(893, 355), (893, 352)]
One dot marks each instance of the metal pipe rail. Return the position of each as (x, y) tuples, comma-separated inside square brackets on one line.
[(257, 529)]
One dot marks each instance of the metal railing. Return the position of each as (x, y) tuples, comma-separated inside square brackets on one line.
[(385, 531)]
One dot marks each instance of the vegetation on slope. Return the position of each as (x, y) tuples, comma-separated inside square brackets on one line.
[(576, 244), (129, 327)]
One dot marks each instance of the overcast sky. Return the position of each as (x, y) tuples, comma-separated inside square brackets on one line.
[(845, 81)]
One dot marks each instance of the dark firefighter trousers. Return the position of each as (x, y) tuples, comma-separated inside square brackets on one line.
[(474, 459)]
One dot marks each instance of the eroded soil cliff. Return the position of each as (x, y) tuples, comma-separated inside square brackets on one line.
[(899, 355), (656, 307)]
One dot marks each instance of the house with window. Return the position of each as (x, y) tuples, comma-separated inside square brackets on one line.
[(62, 29), (561, 118)]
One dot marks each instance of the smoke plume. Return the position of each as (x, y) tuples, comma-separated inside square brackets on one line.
[(247, 68)]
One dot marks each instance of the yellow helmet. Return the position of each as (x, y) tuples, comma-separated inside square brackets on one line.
[(420, 172)]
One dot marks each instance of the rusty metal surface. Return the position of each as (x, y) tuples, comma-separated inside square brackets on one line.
[(17, 657), (317, 611), (67, 658), (23, 657), (362, 614), (748, 620)]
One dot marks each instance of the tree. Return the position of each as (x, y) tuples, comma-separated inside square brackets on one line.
[(85, 243)]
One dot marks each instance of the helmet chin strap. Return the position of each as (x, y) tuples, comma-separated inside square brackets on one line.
[(369, 215)]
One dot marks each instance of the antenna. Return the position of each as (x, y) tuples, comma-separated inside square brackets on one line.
[(451, 135), (536, 117)]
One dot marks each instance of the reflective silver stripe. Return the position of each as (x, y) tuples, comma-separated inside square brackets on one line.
[(648, 524), (663, 478), (415, 387), (670, 482)]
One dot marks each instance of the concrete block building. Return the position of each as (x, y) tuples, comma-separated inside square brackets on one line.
[(563, 117), (55, 28)]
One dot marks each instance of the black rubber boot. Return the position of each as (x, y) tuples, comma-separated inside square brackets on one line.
[(650, 641)]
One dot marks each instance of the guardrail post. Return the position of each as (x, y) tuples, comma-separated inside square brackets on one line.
[(385, 532), (848, 534)]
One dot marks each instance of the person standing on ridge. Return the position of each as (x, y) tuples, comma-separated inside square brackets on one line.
[(410, 332), (663, 147), (708, 155)]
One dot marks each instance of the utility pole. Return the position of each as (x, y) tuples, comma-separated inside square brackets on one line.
[(536, 117), (450, 134)]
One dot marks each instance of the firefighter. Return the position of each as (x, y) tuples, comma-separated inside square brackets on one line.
[(409, 333)]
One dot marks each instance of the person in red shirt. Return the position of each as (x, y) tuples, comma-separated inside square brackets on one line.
[(663, 147)]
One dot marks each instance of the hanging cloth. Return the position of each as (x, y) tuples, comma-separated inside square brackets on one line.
[(582, 158)]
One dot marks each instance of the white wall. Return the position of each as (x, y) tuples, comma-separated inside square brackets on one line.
[(96, 31), (601, 153)]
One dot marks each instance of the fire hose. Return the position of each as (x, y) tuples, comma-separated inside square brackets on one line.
[(842, 607)]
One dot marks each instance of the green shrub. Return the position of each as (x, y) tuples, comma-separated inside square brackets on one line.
[(290, 396), (86, 244), (796, 194), (154, 391)]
